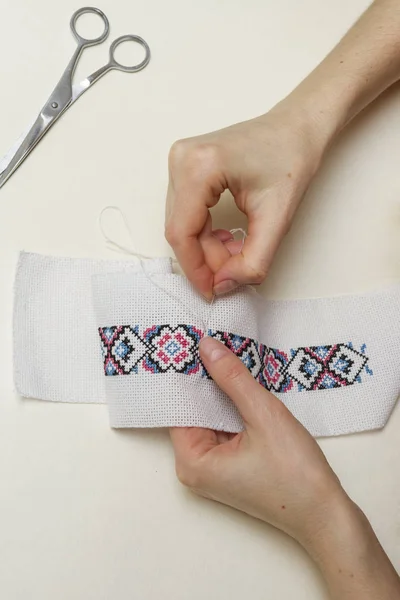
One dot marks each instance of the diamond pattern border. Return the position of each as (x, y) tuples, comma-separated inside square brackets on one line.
[(165, 348)]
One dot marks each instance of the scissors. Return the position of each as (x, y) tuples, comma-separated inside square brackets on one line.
[(66, 93)]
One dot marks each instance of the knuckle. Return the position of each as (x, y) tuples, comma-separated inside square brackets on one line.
[(171, 233), (257, 273), (193, 155), (188, 474), (205, 153), (177, 152), (204, 160)]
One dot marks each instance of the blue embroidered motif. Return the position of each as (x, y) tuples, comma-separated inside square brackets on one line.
[(163, 348)]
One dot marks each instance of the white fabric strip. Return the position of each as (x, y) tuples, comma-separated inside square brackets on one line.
[(362, 330), (56, 345), (333, 361)]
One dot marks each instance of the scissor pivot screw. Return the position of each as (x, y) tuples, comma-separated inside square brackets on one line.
[(54, 105)]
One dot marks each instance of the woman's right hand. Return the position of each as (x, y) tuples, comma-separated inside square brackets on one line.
[(267, 163)]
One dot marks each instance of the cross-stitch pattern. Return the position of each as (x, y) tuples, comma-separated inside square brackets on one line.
[(163, 348)]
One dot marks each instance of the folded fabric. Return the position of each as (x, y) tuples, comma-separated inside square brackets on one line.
[(85, 331), (56, 349)]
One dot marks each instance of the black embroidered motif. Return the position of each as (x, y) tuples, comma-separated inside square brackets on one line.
[(164, 348)]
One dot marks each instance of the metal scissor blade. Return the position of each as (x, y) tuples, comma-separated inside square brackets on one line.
[(23, 147), (79, 88), (28, 140)]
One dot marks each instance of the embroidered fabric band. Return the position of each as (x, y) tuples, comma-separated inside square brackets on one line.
[(162, 348), (332, 361)]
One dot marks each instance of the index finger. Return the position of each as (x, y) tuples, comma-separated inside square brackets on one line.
[(184, 224)]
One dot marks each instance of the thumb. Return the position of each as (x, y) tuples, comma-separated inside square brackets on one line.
[(231, 375), (266, 229)]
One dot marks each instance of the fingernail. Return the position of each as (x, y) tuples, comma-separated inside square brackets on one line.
[(225, 286), (223, 236), (212, 349), (208, 296)]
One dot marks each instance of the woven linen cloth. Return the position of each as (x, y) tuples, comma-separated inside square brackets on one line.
[(132, 338), (56, 344), (334, 362)]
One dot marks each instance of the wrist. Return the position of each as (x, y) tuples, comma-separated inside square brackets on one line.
[(346, 547), (309, 116), (350, 557), (322, 107), (329, 97), (341, 527)]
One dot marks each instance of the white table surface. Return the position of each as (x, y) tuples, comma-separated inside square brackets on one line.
[(94, 514)]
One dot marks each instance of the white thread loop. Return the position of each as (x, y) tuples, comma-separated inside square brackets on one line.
[(242, 231), (130, 250), (116, 246)]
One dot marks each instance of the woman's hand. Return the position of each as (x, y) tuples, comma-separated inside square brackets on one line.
[(267, 163), (275, 471)]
